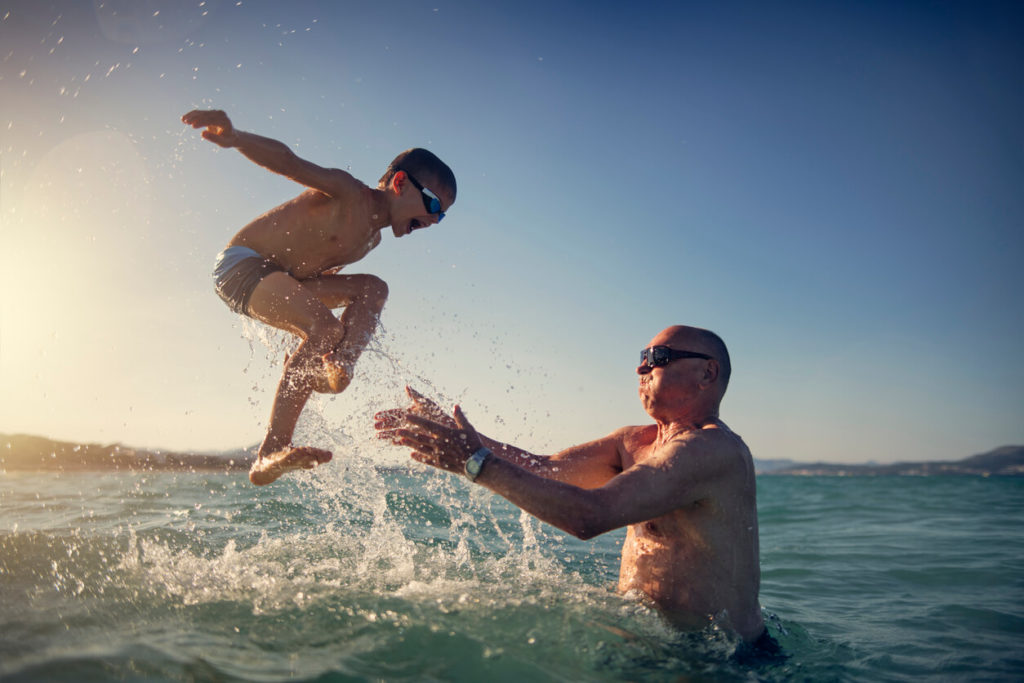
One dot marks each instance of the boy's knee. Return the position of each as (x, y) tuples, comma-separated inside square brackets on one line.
[(375, 291), (326, 327), (324, 386)]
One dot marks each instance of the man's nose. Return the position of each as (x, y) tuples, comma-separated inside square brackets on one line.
[(643, 368)]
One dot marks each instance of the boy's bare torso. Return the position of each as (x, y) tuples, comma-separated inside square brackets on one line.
[(701, 560), (315, 233)]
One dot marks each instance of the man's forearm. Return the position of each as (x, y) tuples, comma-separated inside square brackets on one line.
[(517, 456), (576, 511)]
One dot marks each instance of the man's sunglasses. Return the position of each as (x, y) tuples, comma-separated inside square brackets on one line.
[(657, 356), (430, 200)]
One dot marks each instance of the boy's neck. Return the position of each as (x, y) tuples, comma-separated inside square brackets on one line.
[(380, 212)]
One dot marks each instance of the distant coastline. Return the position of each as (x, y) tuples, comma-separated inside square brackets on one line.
[(20, 452), (1007, 461), (24, 452)]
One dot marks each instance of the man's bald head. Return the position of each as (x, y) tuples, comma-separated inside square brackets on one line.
[(686, 338)]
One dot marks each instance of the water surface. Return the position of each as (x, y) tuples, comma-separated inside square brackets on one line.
[(352, 573)]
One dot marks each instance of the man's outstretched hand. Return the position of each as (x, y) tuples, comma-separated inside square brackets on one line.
[(218, 126), (443, 441), (421, 405)]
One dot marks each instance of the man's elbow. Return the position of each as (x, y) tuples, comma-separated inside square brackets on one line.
[(585, 533), (592, 522)]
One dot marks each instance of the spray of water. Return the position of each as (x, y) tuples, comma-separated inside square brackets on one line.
[(358, 546)]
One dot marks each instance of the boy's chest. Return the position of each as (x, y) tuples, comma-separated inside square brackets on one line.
[(341, 234), (346, 251)]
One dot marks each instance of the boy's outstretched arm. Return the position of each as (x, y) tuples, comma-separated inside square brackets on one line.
[(270, 154)]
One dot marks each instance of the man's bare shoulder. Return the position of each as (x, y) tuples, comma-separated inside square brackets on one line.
[(712, 448), (715, 435), (635, 436)]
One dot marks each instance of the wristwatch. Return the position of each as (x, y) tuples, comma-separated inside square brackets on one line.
[(475, 464)]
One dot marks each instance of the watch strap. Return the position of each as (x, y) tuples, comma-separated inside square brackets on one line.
[(475, 463)]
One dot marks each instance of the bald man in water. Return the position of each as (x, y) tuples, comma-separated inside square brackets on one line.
[(684, 485)]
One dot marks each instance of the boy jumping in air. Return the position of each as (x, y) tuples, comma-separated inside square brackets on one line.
[(282, 269)]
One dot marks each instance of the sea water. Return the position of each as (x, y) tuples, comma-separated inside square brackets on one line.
[(355, 573)]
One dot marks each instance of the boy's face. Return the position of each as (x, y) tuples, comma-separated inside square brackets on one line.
[(413, 204)]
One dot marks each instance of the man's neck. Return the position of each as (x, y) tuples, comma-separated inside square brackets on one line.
[(671, 429)]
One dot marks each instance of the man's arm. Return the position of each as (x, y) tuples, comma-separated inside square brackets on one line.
[(680, 473), (676, 476), (271, 154), (588, 465)]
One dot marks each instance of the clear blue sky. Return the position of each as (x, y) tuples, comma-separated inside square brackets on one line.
[(835, 188)]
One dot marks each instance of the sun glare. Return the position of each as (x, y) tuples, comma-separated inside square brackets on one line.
[(72, 238)]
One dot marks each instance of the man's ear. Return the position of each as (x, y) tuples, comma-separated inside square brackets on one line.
[(711, 371)]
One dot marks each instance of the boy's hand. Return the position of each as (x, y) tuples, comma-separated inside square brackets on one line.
[(218, 126)]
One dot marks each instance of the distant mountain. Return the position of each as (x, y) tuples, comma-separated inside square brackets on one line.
[(765, 466), (1002, 462), (22, 452)]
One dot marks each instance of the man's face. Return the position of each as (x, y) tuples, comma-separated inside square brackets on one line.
[(675, 383)]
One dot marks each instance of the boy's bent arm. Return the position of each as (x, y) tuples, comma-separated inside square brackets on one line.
[(277, 157), (271, 154)]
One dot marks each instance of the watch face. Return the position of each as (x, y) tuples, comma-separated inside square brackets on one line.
[(476, 463)]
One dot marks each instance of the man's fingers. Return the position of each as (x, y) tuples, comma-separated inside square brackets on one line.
[(388, 435), (463, 422), (419, 400), (389, 418), (407, 437), (414, 439), (427, 425), (424, 458), (425, 405), (460, 417), (396, 417)]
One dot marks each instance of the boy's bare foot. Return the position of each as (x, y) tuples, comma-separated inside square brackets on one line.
[(268, 468), (337, 374)]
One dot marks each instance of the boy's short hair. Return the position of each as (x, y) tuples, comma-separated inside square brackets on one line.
[(421, 164)]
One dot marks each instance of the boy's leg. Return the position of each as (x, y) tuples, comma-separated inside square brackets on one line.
[(363, 297), (324, 358), (282, 301)]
